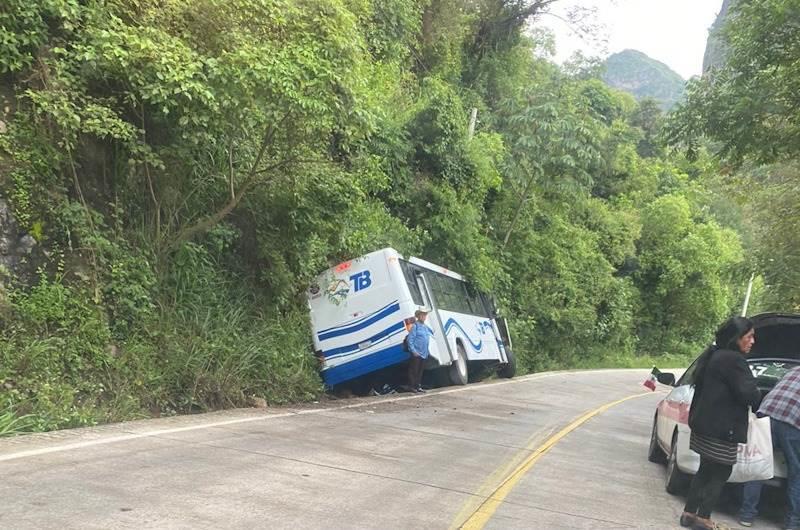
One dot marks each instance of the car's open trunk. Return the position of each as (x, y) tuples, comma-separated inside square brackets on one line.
[(777, 347), (777, 336)]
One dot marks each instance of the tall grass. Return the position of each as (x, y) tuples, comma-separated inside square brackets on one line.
[(11, 423), (209, 340), (216, 343)]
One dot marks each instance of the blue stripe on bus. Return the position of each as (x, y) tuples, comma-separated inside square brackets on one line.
[(372, 345), (451, 322), (364, 365), (357, 321), (383, 313), (375, 338)]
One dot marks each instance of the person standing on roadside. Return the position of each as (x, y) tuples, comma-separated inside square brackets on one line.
[(419, 339), (724, 389), (782, 405)]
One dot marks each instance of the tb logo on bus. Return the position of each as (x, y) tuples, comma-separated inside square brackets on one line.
[(361, 280)]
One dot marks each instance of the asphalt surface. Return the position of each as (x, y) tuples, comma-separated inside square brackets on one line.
[(489, 455)]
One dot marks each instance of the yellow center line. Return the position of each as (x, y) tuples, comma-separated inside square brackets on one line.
[(486, 510)]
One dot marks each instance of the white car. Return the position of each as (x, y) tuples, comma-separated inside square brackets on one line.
[(776, 350)]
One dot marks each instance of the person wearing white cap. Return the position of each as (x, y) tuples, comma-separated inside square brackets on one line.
[(419, 339)]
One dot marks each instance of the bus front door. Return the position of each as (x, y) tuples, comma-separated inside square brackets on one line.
[(442, 351)]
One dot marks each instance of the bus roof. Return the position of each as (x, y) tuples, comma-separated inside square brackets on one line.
[(436, 268), (390, 253)]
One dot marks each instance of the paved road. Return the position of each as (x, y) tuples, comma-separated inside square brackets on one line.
[(491, 455)]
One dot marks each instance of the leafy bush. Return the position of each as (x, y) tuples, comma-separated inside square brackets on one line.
[(53, 356)]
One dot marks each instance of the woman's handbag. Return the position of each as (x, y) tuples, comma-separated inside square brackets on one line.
[(754, 460)]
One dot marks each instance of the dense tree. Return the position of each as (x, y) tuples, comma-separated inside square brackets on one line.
[(189, 166), (683, 264), (772, 206), (745, 111), (749, 105)]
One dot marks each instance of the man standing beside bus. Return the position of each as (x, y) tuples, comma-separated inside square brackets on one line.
[(419, 339)]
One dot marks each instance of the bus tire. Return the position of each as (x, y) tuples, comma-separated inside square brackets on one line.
[(509, 369), (459, 373)]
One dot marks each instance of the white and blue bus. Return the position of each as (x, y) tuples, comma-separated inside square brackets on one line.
[(361, 310)]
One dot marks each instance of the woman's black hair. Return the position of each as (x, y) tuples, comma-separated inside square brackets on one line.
[(731, 331), (726, 337)]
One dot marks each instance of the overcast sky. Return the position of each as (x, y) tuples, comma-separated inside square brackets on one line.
[(671, 31)]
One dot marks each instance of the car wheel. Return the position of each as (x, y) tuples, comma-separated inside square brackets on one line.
[(677, 480), (654, 452), (458, 370)]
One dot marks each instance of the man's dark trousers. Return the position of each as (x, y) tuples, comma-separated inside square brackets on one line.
[(788, 439), (415, 367)]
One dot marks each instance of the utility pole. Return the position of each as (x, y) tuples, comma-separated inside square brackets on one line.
[(747, 295), (473, 119)]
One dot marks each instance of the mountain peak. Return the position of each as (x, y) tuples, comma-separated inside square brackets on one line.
[(644, 77), (715, 46)]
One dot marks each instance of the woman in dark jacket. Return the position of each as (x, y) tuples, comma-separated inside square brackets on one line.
[(724, 389)]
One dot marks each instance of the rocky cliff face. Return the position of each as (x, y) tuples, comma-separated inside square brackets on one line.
[(643, 76), (16, 247), (715, 47)]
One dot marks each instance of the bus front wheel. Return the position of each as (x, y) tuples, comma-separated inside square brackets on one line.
[(459, 374)]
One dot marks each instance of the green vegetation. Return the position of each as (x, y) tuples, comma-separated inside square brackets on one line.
[(187, 167), (644, 77), (746, 113)]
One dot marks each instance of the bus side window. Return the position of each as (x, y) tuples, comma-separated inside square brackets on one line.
[(451, 294), (442, 292), (457, 295), (439, 293), (464, 302), (477, 302), (411, 281)]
